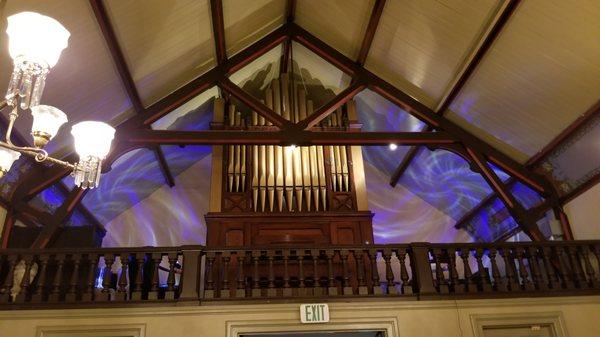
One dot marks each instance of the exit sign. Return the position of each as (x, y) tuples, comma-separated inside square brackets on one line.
[(314, 313)]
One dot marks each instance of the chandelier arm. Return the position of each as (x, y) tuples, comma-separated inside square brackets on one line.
[(11, 122), (39, 155)]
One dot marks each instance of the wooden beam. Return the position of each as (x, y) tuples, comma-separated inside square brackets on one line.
[(164, 166), (516, 210), (370, 32), (399, 171), (117, 54), (62, 214), (218, 26), (329, 107), (145, 138), (290, 14), (9, 222), (254, 104), (290, 11), (480, 51)]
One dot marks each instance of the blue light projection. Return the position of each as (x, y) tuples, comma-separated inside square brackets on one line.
[(136, 175), (8, 183)]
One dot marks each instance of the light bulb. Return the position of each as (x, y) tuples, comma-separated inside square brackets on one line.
[(92, 143), (393, 147), (36, 38), (7, 158), (46, 122), (92, 139)]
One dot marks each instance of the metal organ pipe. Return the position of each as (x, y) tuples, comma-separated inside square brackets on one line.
[(287, 179)]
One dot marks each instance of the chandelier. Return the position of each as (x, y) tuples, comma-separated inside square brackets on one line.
[(35, 44)]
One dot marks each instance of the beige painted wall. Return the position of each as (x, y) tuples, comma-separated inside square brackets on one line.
[(578, 317), (584, 214)]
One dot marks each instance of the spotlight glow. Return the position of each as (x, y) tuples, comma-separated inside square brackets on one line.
[(393, 147)]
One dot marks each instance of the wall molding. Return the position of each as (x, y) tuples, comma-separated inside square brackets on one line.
[(121, 330)]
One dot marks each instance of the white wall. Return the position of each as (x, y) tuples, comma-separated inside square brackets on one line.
[(584, 214), (402, 216), (169, 216)]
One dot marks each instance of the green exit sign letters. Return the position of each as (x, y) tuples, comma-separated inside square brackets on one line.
[(314, 313)]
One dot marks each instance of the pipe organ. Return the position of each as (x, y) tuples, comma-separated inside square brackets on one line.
[(286, 194)]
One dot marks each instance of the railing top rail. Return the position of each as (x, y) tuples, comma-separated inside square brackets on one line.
[(103, 250), (514, 244)]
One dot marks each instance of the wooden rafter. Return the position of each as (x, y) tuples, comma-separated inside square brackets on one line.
[(536, 160), (370, 32), (461, 80), (125, 75), (218, 25), (290, 14)]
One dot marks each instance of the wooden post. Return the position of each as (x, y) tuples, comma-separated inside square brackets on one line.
[(422, 268)]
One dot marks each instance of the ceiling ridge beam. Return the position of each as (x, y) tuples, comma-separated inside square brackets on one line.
[(370, 31), (218, 26), (488, 39), (290, 16)]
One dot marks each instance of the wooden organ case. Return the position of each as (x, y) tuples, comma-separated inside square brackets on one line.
[(272, 195)]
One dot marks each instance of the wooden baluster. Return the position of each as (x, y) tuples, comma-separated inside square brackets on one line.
[(499, 282), (439, 273), (8, 282), (454, 279), (225, 288), (553, 280), (374, 272), (256, 292), (536, 275), (71, 295), (87, 294), (56, 284), (287, 291), (271, 291), (406, 287), (523, 273), (123, 281), (484, 275), (317, 289), (301, 281), (240, 291), (389, 274), (209, 291), (464, 255), (346, 285), (589, 270), (170, 292), (331, 287), (509, 269), (154, 285), (137, 291), (38, 296), (21, 297), (109, 259), (577, 272), (565, 274), (360, 267)]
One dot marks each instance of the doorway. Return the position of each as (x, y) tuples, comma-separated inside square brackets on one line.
[(320, 334)]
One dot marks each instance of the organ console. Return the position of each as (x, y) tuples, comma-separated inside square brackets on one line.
[(263, 194)]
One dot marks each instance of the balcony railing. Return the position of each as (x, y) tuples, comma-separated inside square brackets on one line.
[(192, 274)]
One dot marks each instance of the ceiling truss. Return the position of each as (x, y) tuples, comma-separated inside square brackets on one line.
[(136, 133)]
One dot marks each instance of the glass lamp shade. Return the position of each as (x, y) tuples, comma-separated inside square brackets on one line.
[(7, 158), (92, 139), (46, 122), (35, 37)]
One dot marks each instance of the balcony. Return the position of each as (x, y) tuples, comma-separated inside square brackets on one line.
[(190, 275)]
